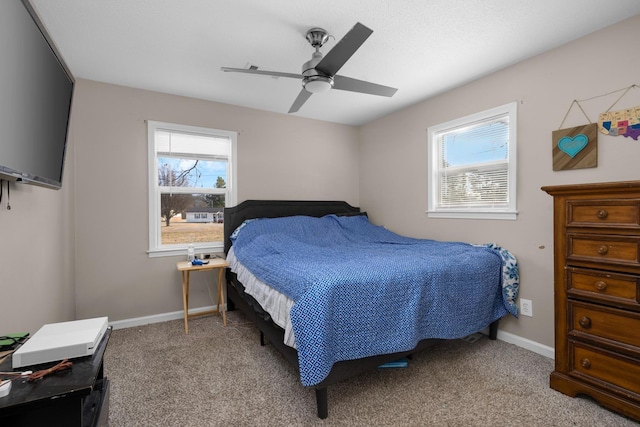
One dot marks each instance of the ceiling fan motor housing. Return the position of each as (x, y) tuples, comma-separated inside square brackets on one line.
[(312, 80)]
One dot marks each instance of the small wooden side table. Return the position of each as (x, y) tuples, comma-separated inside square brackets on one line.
[(185, 267)]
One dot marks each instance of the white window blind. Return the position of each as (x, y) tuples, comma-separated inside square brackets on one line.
[(474, 164)]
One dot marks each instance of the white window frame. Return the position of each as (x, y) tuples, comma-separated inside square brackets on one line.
[(156, 249), (434, 210)]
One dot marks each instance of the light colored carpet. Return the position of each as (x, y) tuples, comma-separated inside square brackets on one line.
[(222, 376)]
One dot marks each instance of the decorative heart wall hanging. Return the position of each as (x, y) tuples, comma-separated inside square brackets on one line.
[(573, 145), (575, 148)]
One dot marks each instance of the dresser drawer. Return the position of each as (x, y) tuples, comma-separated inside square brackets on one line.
[(609, 213), (608, 367), (602, 286), (604, 249), (618, 326)]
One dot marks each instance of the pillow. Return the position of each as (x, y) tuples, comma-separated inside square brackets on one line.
[(235, 233)]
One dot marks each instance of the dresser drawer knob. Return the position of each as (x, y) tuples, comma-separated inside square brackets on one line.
[(602, 250), (585, 322), (602, 214), (601, 286), (586, 363)]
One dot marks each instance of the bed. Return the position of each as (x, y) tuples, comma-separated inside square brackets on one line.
[(309, 307)]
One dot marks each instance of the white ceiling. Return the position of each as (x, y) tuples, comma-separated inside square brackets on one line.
[(421, 47)]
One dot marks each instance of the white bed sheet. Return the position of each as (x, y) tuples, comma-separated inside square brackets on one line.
[(273, 302)]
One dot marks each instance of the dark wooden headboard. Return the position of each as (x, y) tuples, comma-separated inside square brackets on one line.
[(250, 209)]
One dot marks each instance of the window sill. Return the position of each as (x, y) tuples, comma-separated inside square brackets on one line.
[(165, 252), (510, 216)]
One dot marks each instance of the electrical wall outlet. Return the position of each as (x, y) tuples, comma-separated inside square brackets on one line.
[(526, 307)]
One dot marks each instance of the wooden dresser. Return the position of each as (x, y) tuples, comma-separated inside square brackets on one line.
[(597, 293)]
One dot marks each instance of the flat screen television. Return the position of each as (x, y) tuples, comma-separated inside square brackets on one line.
[(36, 89)]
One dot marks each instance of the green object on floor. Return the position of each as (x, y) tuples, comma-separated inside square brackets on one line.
[(9, 341)]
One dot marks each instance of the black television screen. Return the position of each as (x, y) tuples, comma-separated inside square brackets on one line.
[(35, 99)]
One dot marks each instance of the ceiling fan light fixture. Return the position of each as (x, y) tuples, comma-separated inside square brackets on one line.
[(318, 84)]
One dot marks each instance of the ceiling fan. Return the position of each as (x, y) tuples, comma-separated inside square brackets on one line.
[(319, 73)]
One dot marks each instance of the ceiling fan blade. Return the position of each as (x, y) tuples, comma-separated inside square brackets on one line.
[(300, 100), (343, 50), (355, 85), (263, 72)]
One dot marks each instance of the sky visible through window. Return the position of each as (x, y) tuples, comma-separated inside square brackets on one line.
[(204, 175), (478, 144)]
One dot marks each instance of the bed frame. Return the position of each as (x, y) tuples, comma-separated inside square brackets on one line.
[(236, 298)]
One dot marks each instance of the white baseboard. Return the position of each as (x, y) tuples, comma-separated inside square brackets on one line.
[(156, 318), (527, 344)]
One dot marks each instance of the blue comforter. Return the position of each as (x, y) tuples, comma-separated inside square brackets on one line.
[(360, 290)]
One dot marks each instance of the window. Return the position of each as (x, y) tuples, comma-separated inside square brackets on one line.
[(191, 180), (472, 166)]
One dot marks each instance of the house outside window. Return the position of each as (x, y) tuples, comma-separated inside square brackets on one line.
[(472, 166), (191, 179)]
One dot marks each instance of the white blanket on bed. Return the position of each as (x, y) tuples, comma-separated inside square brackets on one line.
[(273, 302)]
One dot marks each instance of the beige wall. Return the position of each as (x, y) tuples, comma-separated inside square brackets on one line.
[(36, 259), (279, 156), (393, 155), (37, 254)]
